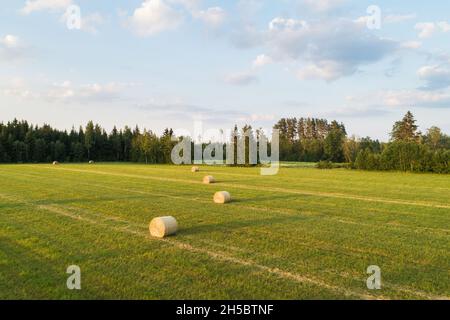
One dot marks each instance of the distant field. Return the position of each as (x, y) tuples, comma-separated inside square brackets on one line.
[(303, 234), (288, 164)]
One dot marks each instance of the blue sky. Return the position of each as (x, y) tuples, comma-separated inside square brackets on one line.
[(159, 63)]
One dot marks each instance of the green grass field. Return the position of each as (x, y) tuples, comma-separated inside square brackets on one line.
[(303, 234)]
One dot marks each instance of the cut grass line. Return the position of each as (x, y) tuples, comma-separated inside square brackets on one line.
[(68, 212), (220, 256), (372, 209), (224, 172), (229, 247), (319, 245), (353, 252), (324, 246), (275, 271), (396, 287), (284, 211), (391, 226), (260, 188)]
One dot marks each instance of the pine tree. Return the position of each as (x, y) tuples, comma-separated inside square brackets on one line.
[(89, 138), (406, 129)]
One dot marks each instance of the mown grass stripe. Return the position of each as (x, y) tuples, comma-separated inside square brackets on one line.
[(212, 254), (409, 235), (134, 228), (283, 211), (280, 190)]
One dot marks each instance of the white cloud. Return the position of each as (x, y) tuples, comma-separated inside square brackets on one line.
[(89, 22), (388, 19), (388, 100), (356, 112), (262, 60), (214, 16), (154, 16), (327, 55), (323, 5), (411, 45), (324, 70), (435, 76), (94, 92), (66, 91), (47, 5), (257, 118), (11, 48), (9, 41), (362, 21), (428, 29), (278, 24), (416, 98), (327, 49), (190, 5), (17, 87), (240, 78), (396, 18), (444, 25)]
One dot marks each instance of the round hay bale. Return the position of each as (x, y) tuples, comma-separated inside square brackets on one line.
[(209, 180), (91, 162), (163, 227), (195, 169), (55, 163), (222, 197)]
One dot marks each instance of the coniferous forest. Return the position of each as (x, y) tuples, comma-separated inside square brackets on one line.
[(303, 140)]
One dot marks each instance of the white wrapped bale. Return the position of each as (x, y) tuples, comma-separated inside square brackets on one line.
[(222, 197), (209, 180), (163, 227)]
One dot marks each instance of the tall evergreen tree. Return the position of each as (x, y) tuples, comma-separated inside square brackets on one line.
[(89, 138), (406, 129)]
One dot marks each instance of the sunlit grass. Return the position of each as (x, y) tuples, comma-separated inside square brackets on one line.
[(302, 234)]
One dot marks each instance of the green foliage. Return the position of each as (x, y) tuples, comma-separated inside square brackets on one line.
[(334, 144), (89, 138), (441, 161), (350, 149), (367, 160), (310, 139), (245, 138), (406, 129), (367, 143), (301, 140), (405, 156), (408, 151), (325, 164), (436, 139), (20, 142)]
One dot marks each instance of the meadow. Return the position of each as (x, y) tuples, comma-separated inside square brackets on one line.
[(302, 234)]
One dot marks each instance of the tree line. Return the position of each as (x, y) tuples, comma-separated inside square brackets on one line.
[(311, 140), (301, 139), (21, 142), (408, 150), (314, 140)]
